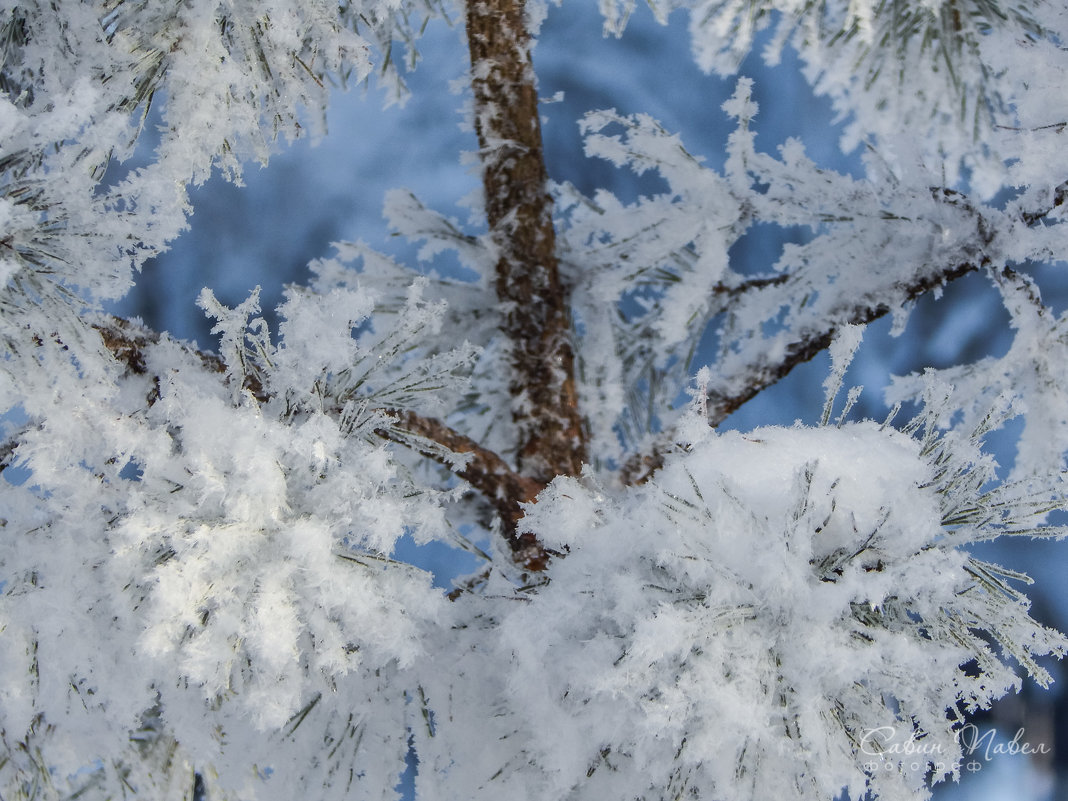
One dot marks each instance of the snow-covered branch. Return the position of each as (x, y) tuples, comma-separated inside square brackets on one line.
[(484, 470), (534, 301), (731, 389), (206, 587), (487, 473)]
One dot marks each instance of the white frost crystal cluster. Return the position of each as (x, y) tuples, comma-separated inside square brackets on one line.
[(938, 80), (200, 583), (765, 615)]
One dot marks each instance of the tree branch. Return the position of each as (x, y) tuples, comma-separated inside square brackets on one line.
[(1060, 194), (762, 373), (536, 317), (484, 470), (759, 375), (127, 343), (536, 311), (7, 451)]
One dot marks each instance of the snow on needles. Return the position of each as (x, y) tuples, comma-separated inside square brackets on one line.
[(198, 562), (780, 614)]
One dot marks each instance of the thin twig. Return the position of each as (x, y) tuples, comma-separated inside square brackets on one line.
[(759, 375), (503, 487)]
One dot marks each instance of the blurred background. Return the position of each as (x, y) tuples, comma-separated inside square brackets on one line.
[(265, 232)]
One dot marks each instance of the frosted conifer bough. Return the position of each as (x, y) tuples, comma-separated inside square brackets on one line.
[(199, 575), (941, 81), (231, 527), (768, 614)]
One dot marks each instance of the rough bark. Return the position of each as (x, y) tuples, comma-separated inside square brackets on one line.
[(549, 430)]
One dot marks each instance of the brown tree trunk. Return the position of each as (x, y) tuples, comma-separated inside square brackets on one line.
[(536, 313)]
